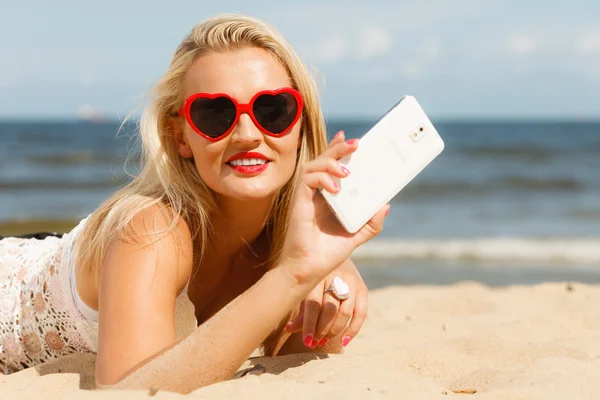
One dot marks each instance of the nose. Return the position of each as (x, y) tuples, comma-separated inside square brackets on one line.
[(245, 132)]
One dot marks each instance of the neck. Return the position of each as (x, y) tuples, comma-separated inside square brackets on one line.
[(237, 224)]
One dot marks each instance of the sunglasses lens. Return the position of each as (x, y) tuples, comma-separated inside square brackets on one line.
[(275, 112), (213, 117)]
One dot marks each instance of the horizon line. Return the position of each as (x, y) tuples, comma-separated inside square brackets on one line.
[(330, 118)]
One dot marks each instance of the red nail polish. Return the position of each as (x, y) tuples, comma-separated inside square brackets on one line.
[(336, 186), (323, 342), (346, 340), (351, 141), (308, 340), (337, 135), (345, 170), (314, 344), (387, 211)]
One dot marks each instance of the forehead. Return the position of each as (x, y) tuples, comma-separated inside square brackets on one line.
[(239, 73)]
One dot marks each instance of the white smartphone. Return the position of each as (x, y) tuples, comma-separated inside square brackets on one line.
[(390, 155)]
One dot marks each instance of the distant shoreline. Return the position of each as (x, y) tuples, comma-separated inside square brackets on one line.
[(22, 227), (484, 120)]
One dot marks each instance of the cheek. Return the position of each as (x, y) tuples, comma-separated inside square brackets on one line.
[(205, 166), (288, 153), (207, 156)]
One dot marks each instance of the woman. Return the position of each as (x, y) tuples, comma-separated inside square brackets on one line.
[(224, 214)]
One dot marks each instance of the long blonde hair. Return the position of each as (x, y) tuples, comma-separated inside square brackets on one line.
[(169, 180)]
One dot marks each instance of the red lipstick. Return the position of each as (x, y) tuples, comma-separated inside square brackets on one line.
[(252, 167)]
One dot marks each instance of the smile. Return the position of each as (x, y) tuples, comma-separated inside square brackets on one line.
[(249, 166), (248, 161)]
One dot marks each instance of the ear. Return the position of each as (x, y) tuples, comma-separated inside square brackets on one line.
[(181, 143)]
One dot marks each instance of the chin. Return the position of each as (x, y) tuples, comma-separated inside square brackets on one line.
[(248, 191)]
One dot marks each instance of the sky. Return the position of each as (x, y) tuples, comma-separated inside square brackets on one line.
[(462, 59)]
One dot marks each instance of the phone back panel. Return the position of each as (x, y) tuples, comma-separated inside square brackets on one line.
[(391, 154)]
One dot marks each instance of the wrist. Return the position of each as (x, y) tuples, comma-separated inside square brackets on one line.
[(297, 276)]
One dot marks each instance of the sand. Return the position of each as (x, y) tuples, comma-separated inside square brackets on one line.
[(458, 341)]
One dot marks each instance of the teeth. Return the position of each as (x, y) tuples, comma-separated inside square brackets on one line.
[(248, 161)]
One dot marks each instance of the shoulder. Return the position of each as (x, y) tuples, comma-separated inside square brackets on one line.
[(158, 232), (157, 219)]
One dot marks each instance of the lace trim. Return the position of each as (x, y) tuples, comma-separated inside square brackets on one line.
[(89, 313), (35, 319)]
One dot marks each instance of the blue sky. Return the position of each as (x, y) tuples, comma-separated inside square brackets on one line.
[(461, 59)]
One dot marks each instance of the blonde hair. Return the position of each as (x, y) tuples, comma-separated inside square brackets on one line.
[(172, 181)]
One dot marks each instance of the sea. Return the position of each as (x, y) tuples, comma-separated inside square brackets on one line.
[(507, 202)]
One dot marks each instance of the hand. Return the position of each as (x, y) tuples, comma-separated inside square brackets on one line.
[(323, 317), (316, 243)]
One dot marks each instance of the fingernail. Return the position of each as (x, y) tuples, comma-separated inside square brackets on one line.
[(351, 141), (345, 170), (346, 340), (336, 186), (313, 344), (308, 339), (288, 326), (323, 342), (387, 211), (337, 135)]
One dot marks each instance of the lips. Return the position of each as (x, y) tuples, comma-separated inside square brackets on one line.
[(248, 155), (248, 163)]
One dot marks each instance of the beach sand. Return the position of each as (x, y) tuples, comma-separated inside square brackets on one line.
[(464, 340)]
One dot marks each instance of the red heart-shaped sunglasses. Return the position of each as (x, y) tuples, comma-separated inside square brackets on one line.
[(214, 115)]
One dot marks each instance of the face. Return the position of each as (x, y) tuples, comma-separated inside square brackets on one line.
[(239, 74)]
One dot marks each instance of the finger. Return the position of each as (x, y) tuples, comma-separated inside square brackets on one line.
[(329, 313), (327, 164), (295, 325), (376, 223), (373, 227), (341, 149), (359, 315), (343, 316), (318, 180), (312, 309), (339, 137)]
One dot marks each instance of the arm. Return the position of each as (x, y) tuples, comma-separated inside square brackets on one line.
[(137, 347), (216, 349)]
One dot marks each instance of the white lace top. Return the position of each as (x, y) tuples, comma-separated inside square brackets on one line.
[(41, 314)]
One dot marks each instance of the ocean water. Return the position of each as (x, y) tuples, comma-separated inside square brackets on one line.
[(520, 192)]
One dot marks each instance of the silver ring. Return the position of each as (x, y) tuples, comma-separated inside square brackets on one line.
[(339, 289)]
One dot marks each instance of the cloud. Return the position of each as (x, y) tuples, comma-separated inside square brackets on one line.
[(465, 43), (412, 69), (376, 73), (588, 43), (373, 42), (430, 49), (330, 49), (363, 44), (420, 61), (523, 44), (325, 49), (91, 113), (85, 78)]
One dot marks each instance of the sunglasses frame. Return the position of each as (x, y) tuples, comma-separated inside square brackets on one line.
[(239, 110)]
